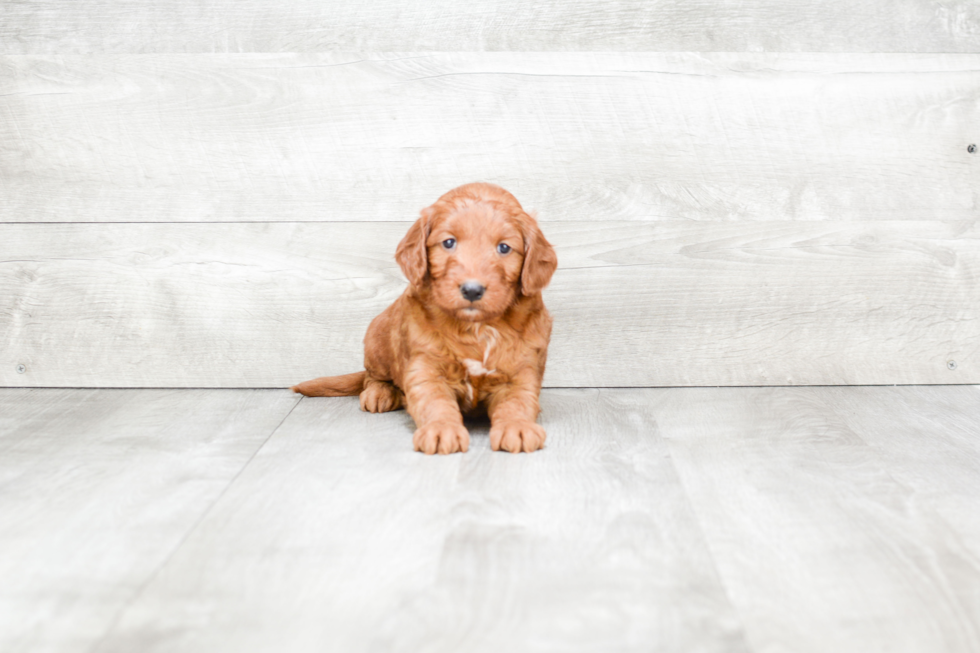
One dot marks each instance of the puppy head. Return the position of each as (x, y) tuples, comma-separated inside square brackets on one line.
[(477, 250)]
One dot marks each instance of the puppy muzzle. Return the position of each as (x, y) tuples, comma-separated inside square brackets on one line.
[(472, 290)]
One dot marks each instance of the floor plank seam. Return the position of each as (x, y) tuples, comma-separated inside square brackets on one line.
[(698, 521), (153, 576), (924, 503)]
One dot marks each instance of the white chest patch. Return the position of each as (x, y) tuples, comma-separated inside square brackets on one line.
[(489, 337), (475, 368)]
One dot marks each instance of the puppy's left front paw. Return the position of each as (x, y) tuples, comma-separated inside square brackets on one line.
[(517, 436)]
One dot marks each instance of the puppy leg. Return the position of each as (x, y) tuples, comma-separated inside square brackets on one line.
[(513, 412), (439, 423), (381, 396)]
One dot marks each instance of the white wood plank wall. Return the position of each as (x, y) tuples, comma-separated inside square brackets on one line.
[(578, 136), (66, 27), (804, 215), (650, 304)]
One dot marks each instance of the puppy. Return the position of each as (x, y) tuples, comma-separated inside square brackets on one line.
[(470, 333)]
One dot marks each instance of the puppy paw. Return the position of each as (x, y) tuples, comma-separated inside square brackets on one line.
[(380, 397), (441, 437), (516, 436)]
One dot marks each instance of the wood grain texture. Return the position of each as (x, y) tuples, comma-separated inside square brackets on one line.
[(588, 545), (709, 519), (660, 304), (820, 546), (578, 136), (99, 487), (59, 26), (331, 529), (591, 546), (929, 438)]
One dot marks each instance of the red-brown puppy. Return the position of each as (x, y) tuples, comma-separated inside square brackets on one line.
[(469, 334)]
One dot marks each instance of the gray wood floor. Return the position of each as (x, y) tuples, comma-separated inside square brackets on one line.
[(722, 519)]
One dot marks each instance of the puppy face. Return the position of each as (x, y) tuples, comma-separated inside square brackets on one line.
[(477, 251), (475, 258)]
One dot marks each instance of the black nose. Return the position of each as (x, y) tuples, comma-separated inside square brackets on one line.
[(472, 290)]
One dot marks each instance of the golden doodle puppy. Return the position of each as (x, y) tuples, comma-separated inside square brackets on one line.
[(469, 334)]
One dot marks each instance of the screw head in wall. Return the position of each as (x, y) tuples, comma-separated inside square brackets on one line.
[(951, 365), (21, 369), (971, 148)]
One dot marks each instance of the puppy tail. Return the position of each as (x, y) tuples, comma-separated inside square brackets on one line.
[(346, 385)]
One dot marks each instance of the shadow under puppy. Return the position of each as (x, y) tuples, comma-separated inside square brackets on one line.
[(470, 333)]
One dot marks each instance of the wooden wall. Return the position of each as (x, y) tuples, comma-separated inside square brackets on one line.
[(748, 193), (196, 26)]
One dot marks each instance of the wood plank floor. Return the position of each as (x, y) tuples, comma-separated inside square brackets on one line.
[(684, 519)]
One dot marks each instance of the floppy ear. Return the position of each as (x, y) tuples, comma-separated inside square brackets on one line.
[(540, 260), (412, 254)]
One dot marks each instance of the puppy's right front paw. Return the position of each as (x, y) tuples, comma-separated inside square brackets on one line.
[(441, 437)]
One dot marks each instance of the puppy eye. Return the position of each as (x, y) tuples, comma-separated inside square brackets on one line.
[(503, 248), (449, 243)]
